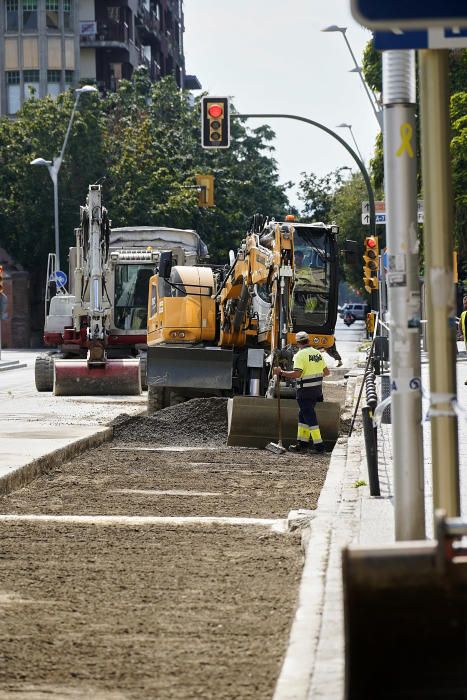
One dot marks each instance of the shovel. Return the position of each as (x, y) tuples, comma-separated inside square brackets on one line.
[(277, 448)]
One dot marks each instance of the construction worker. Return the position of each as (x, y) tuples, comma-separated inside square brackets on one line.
[(333, 352), (309, 369), (463, 324), (462, 321)]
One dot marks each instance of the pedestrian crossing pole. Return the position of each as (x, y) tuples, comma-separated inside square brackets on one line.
[(400, 178)]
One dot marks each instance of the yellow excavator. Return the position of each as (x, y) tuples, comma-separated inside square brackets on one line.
[(219, 330)]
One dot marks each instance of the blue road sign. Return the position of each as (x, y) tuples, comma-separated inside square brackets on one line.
[(428, 39), (416, 14), (60, 278)]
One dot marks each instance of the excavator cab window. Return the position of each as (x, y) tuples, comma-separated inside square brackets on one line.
[(131, 296), (314, 294)]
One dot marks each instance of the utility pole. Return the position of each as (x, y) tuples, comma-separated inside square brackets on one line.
[(400, 177), (441, 305)]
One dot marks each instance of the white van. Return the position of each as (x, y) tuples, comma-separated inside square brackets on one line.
[(358, 310)]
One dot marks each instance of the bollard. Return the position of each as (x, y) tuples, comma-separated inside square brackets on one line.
[(371, 448)]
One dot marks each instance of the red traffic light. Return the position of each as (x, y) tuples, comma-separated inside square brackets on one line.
[(215, 111), (371, 243)]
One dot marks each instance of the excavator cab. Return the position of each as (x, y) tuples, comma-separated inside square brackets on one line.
[(182, 353)]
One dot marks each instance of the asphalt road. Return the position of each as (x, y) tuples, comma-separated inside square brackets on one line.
[(20, 400)]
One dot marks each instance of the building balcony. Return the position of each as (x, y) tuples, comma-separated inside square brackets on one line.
[(147, 24), (104, 34)]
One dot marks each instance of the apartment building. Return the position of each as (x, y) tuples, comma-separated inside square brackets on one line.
[(49, 45)]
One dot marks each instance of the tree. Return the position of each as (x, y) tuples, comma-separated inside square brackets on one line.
[(318, 194), (144, 143)]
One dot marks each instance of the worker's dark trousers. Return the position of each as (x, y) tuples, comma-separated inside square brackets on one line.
[(308, 428)]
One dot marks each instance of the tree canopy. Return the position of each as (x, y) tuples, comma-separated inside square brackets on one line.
[(143, 142)]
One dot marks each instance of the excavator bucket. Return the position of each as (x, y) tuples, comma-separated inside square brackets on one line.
[(252, 421), (115, 377), (405, 616)]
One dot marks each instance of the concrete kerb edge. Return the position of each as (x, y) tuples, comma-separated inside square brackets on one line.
[(5, 368), (297, 669), (28, 472)]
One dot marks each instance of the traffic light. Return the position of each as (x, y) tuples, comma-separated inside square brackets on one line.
[(1, 279), (205, 190), (215, 122), (370, 264)]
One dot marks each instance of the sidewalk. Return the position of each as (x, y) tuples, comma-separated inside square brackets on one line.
[(314, 665), (38, 431)]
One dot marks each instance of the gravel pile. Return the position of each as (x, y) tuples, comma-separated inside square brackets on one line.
[(198, 423)]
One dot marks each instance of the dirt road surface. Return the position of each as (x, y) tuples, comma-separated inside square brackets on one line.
[(181, 609)]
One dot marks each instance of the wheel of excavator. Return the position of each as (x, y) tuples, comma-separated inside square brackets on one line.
[(143, 366), (44, 372), (157, 399)]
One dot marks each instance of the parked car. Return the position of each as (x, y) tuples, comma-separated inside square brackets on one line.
[(359, 311)]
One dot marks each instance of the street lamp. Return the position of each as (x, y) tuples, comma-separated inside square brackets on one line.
[(54, 167), (349, 127), (342, 30)]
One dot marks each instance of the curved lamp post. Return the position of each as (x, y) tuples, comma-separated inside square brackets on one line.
[(349, 149), (54, 166), (357, 69), (349, 127)]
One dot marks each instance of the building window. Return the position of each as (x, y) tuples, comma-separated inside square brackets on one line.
[(12, 15), (30, 83), (53, 82), (51, 14), (13, 91), (69, 78), (67, 18), (29, 15)]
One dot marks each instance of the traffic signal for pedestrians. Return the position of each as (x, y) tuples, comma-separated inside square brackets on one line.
[(1, 279), (215, 122), (205, 190), (370, 263)]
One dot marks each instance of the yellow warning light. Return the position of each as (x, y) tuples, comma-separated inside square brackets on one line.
[(149, 249), (290, 217)]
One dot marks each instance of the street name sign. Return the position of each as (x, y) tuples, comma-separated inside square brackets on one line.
[(416, 14), (380, 212), (433, 38)]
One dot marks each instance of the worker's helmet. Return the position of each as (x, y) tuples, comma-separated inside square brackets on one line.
[(302, 337)]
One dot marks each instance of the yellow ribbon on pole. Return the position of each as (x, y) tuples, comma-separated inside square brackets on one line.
[(406, 136)]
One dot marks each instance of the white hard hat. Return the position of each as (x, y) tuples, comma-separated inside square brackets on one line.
[(302, 337)]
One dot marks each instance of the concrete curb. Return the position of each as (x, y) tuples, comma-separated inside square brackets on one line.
[(28, 472), (12, 365), (299, 663)]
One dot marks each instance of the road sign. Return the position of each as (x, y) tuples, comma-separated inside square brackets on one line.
[(434, 38), (417, 14), (60, 278), (380, 212)]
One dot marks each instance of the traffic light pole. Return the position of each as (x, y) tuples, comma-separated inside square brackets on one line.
[(400, 182), (359, 163)]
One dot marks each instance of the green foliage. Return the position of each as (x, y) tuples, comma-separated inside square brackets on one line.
[(372, 66), (26, 193), (459, 172), (318, 194), (144, 142)]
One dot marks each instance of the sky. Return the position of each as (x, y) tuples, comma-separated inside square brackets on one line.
[(270, 56)]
